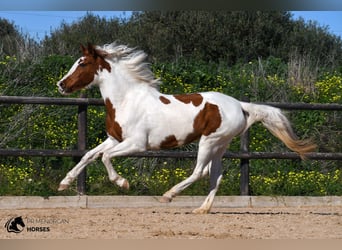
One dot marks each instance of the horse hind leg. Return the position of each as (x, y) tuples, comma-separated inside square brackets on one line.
[(215, 180), (208, 160), (167, 197), (215, 169), (203, 159)]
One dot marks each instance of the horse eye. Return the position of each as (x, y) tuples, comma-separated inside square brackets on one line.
[(82, 64)]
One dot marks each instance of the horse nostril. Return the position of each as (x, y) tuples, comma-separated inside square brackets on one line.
[(61, 87), (62, 84)]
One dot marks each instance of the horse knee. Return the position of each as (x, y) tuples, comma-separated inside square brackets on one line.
[(105, 158), (89, 157)]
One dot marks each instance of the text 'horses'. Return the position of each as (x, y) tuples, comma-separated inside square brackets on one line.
[(139, 117)]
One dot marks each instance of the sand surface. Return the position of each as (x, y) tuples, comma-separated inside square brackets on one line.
[(176, 223)]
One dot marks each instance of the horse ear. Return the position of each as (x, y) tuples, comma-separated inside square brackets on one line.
[(84, 50), (91, 50), (96, 52)]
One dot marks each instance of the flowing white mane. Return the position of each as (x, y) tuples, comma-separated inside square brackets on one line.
[(135, 60)]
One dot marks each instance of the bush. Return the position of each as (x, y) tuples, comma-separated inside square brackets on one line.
[(54, 127), (295, 183), (248, 58)]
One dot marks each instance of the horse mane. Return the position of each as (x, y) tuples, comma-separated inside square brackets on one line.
[(134, 59)]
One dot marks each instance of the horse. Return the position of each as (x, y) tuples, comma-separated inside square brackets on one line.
[(139, 117)]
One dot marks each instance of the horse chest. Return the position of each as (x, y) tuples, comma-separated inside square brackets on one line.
[(113, 128)]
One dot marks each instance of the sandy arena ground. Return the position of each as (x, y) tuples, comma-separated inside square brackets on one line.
[(176, 223)]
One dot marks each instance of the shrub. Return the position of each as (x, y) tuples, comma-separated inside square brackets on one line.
[(52, 127)]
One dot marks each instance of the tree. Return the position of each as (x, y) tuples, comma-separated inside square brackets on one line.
[(218, 36), (90, 29), (231, 36), (9, 35), (14, 43)]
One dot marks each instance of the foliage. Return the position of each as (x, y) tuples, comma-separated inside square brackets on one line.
[(155, 179), (16, 44), (298, 183), (90, 29), (329, 89), (48, 127), (229, 36), (248, 58)]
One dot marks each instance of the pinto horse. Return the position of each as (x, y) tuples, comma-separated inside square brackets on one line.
[(140, 118)]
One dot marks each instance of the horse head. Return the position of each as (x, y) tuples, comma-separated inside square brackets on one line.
[(12, 225), (84, 71)]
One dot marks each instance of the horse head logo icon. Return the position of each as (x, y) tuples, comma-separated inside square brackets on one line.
[(15, 225)]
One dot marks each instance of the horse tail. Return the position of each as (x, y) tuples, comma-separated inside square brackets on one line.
[(277, 123)]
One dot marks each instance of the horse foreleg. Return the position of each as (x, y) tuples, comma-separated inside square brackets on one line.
[(114, 177), (124, 148), (86, 159)]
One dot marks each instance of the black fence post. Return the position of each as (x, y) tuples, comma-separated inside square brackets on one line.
[(244, 163), (82, 143)]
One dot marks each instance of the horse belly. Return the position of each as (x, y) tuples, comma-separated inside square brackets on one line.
[(170, 133)]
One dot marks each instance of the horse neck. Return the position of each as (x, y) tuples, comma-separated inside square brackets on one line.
[(120, 83)]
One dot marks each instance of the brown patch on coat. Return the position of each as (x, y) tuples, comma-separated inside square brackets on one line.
[(169, 142), (207, 121), (113, 128), (195, 99), (164, 100)]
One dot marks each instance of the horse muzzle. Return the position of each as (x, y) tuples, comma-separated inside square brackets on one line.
[(62, 88)]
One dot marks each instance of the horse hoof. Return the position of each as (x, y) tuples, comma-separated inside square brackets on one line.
[(165, 199), (200, 211), (122, 183), (62, 187), (125, 185)]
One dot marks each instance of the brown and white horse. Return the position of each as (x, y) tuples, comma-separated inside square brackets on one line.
[(140, 118)]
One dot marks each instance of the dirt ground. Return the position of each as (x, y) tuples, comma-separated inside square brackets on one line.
[(176, 223)]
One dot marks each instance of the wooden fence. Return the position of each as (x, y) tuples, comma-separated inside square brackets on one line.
[(244, 155)]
